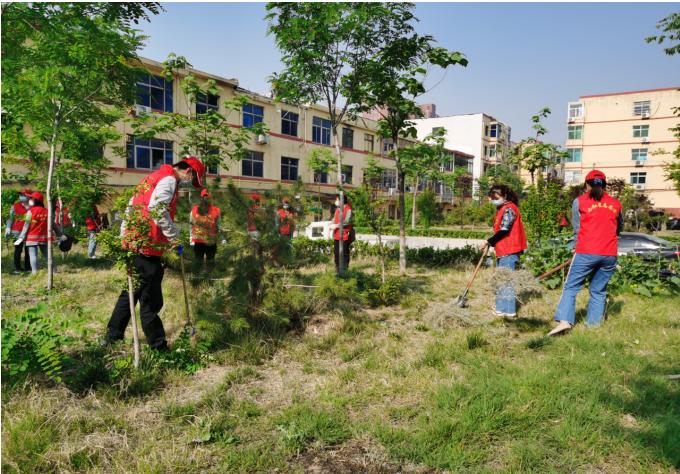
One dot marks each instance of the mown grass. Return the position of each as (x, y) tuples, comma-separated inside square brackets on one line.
[(460, 391)]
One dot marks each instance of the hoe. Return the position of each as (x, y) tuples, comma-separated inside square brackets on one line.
[(462, 299)]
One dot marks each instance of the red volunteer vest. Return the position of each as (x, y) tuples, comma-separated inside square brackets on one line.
[(157, 241), (599, 220), (37, 232), (204, 228), (336, 220), (516, 240), (93, 221), (286, 218), (58, 216), (19, 216)]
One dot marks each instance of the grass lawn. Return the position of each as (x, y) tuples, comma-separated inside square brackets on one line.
[(420, 387)]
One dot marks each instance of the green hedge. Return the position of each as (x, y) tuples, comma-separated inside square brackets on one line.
[(448, 233)]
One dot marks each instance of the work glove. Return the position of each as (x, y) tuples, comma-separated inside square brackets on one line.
[(179, 249), (224, 242), (63, 238), (18, 241)]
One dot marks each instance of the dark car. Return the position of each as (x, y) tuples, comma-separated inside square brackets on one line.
[(646, 246)]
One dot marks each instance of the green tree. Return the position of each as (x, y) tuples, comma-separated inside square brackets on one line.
[(68, 69), (326, 48), (670, 27), (320, 161), (427, 207), (544, 202), (394, 79), (500, 174)]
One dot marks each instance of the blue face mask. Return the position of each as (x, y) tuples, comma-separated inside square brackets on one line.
[(497, 202)]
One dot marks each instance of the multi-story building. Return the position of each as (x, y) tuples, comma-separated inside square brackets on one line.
[(626, 135), (483, 137)]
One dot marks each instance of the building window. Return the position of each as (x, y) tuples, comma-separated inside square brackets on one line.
[(289, 123), (574, 155), (205, 102), (253, 164), (575, 132), (347, 138), (154, 92), (321, 131), (572, 177), (346, 174), (638, 178), (495, 130), (389, 179), (148, 154), (486, 151), (289, 168), (388, 146), (638, 154), (369, 142), (436, 129), (321, 177), (252, 114), (642, 108), (492, 151), (575, 111), (213, 169), (640, 131)]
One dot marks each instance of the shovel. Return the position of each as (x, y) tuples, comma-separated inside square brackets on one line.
[(462, 299), (189, 325)]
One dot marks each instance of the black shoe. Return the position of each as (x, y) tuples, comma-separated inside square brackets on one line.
[(107, 341), (163, 347)]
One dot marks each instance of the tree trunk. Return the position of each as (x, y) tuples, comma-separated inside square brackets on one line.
[(341, 217), (382, 256), (402, 221), (413, 207), (133, 316), (50, 213)]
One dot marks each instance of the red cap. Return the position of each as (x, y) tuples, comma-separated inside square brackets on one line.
[(199, 169), (37, 196), (26, 192), (205, 193), (596, 174), (255, 197)]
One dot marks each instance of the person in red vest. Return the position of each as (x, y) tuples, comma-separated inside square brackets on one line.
[(285, 219), (205, 223), (597, 220), (156, 199), (509, 241), (347, 233), (93, 222), (34, 232), (15, 224)]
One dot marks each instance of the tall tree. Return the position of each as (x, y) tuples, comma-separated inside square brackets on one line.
[(394, 79), (326, 50), (68, 68)]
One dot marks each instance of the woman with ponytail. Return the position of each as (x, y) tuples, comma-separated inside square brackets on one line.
[(509, 241), (597, 222)]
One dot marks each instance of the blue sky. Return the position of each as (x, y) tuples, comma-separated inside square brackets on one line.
[(522, 56)]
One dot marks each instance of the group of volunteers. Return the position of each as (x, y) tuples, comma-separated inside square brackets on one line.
[(597, 221)]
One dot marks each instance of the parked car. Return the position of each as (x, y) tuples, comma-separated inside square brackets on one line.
[(646, 246)]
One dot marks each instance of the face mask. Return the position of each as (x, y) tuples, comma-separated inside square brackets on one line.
[(497, 202), (337, 203), (286, 206), (31, 202), (23, 198)]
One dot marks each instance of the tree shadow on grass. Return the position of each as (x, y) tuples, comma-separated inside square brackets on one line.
[(524, 324)]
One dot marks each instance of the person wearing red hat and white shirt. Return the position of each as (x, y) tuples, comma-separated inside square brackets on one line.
[(15, 224), (34, 233), (205, 223), (597, 220), (156, 197)]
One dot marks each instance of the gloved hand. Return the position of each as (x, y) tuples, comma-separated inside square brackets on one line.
[(63, 238), (179, 249), (224, 242), (18, 241)]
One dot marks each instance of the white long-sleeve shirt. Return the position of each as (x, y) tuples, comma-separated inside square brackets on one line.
[(160, 200)]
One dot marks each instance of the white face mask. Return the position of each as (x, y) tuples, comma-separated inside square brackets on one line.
[(497, 202), (337, 203), (31, 202), (286, 206)]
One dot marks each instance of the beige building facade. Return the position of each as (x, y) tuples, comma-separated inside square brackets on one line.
[(626, 135)]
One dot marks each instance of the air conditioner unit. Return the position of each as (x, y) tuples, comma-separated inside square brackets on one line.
[(262, 139), (645, 139), (639, 162), (142, 109), (639, 187), (645, 115)]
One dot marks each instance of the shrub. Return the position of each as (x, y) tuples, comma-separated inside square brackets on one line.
[(446, 233), (387, 294)]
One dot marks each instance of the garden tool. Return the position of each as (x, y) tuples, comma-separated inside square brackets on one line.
[(554, 270), (189, 325), (462, 299)]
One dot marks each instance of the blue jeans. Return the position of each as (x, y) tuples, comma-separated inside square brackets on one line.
[(91, 243), (33, 256), (506, 299), (582, 266)]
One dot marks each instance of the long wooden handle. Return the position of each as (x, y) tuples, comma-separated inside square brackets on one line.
[(184, 287), (467, 288), (554, 270)]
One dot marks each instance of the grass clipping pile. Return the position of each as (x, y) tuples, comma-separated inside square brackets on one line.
[(482, 298)]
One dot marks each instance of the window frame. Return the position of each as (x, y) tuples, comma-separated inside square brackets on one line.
[(573, 131), (345, 173), (289, 166), (570, 155), (637, 155), (203, 101), (573, 106), (347, 138), (639, 129), (642, 106), (370, 141), (250, 113), (252, 158), (149, 144), (321, 177), (321, 134), (291, 124), (635, 176), (150, 82)]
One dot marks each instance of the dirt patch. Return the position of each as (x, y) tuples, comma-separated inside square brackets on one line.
[(320, 325), (356, 456)]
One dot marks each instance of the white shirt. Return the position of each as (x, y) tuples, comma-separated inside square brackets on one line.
[(160, 200)]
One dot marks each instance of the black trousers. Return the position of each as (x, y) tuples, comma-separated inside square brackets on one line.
[(206, 251), (17, 258), (345, 255), (150, 296)]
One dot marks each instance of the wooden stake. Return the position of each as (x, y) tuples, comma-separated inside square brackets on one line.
[(133, 315)]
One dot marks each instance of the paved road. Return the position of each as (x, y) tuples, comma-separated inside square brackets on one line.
[(419, 242)]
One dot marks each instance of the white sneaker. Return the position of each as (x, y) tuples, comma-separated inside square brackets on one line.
[(505, 315), (560, 329)]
